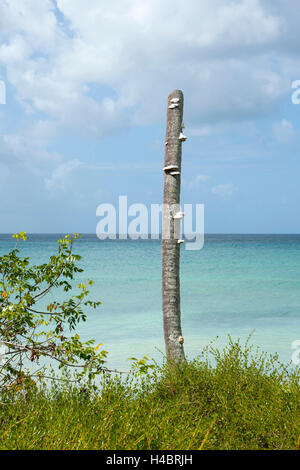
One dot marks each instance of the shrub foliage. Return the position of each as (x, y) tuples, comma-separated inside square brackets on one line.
[(30, 334)]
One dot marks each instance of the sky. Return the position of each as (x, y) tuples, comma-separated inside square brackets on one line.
[(87, 83)]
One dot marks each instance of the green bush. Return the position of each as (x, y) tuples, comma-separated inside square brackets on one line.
[(33, 333), (233, 399), (230, 399)]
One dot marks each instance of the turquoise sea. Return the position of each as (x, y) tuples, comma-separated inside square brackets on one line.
[(234, 285)]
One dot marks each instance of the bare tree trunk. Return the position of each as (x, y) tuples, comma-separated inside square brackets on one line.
[(170, 236)]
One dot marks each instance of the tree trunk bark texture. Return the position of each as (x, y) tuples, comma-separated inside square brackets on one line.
[(170, 234)]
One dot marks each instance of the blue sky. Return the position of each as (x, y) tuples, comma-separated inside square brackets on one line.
[(86, 91)]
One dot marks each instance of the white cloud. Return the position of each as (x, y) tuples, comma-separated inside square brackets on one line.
[(61, 180), (220, 52), (4, 174), (225, 191), (95, 67), (202, 131), (27, 148), (196, 182), (202, 178), (284, 131)]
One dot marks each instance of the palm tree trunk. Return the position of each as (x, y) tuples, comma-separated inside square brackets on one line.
[(170, 244)]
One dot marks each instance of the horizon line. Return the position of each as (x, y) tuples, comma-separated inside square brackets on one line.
[(149, 234)]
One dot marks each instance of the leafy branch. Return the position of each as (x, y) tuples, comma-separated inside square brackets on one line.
[(30, 334)]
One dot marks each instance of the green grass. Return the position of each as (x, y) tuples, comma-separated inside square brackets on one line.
[(233, 399)]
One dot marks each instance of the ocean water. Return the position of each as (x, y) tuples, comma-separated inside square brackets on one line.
[(234, 285)]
